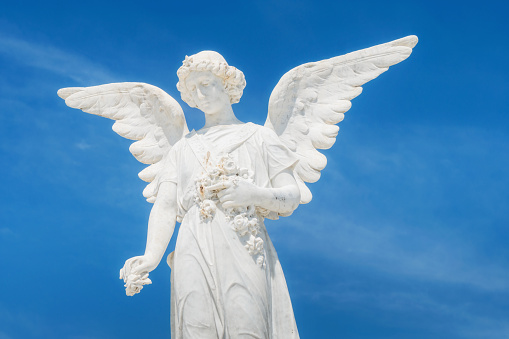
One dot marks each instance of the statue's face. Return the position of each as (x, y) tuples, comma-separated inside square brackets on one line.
[(207, 91)]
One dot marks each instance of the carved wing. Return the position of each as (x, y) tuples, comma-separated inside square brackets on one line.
[(142, 112), (310, 99)]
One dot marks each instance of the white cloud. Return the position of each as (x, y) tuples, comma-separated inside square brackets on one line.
[(399, 250), (462, 319), (6, 231), (5, 336), (406, 231), (31, 324), (82, 145), (53, 59)]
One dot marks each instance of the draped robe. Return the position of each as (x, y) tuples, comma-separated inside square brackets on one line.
[(218, 289)]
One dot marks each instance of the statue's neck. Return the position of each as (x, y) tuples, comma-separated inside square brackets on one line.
[(222, 117)]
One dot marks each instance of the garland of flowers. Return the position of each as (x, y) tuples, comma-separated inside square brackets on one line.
[(133, 282), (243, 220)]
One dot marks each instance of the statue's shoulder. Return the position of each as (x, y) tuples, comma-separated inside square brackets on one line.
[(181, 142), (258, 128), (188, 136), (264, 132), (260, 133)]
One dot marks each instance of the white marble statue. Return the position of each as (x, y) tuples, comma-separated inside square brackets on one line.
[(222, 181)]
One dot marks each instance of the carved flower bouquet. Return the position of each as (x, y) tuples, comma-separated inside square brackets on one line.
[(218, 174), (133, 282)]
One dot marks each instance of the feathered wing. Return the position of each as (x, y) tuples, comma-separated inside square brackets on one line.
[(144, 113), (311, 99)]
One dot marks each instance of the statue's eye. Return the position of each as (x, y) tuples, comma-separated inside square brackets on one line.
[(205, 83)]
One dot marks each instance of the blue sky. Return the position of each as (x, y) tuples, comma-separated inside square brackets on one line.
[(406, 236)]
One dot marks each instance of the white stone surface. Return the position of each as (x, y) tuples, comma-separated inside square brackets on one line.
[(222, 181)]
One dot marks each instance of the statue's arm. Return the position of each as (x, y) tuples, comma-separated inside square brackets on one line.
[(161, 225), (283, 197), (161, 222)]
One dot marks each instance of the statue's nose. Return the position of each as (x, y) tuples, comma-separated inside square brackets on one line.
[(199, 94)]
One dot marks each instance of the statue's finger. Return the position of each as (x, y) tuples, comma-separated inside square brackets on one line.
[(224, 192), (227, 205), (139, 270), (142, 269), (226, 198), (220, 194), (219, 186), (129, 262)]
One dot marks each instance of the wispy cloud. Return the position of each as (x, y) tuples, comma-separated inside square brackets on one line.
[(426, 227), (83, 145), (27, 324), (394, 251), (407, 228), (53, 59), (462, 319), (6, 231), (5, 336)]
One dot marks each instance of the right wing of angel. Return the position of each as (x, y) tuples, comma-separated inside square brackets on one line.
[(144, 113), (311, 99)]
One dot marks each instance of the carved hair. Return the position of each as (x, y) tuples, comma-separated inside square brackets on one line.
[(233, 79)]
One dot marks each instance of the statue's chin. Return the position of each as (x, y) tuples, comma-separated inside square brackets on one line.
[(211, 109), (207, 108), (208, 111)]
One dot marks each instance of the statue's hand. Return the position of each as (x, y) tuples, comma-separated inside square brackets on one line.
[(135, 273), (140, 264), (240, 194)]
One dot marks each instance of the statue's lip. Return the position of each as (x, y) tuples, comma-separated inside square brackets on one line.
[(205, 103)]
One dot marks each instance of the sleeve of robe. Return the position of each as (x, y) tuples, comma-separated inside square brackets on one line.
[(278, 158)]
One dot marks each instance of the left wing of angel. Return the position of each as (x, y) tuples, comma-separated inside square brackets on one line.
[(311, 99), (144, 113)]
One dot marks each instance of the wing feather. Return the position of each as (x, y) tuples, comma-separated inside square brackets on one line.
[(143, 113), (311, 99)]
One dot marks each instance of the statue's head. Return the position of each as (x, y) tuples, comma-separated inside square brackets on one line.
[(209, 64)]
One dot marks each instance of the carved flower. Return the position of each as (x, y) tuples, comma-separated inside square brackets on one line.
[(244, 173), (215, 173), (240, 225), (134, 283), (260, 261), (187, 61), (240, 209), (201, 190), (254, 245), (230, 167), (207, 209), (244, 220), (205, 181), (262, 211), (253, 226)]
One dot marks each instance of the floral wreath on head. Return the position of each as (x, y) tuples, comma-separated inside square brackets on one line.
[(233, 79)]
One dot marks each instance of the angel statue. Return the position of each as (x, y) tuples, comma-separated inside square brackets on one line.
[(222, 181)]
